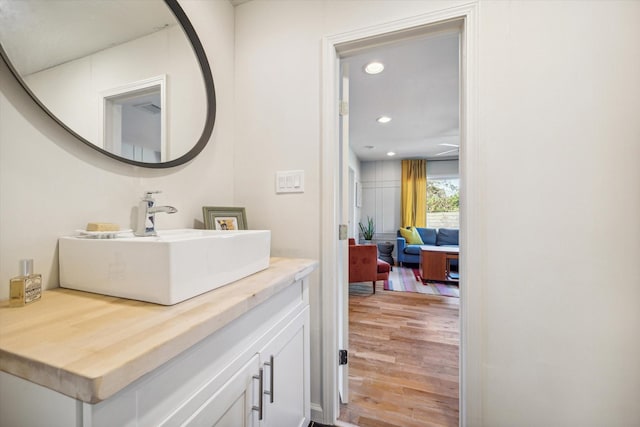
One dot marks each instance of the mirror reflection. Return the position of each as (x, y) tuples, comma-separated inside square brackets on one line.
[(134, 121), (120, 74)]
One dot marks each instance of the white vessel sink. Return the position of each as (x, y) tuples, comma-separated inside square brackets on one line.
[(165, 269)]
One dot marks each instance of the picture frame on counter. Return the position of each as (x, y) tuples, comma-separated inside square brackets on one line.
[(224, 218)]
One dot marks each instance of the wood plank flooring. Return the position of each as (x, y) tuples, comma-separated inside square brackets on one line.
[(403, 359)]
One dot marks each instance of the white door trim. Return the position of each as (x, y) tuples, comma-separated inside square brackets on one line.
[(470, 218), (131, 88)]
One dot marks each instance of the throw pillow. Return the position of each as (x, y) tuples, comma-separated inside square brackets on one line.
[(411, 236)]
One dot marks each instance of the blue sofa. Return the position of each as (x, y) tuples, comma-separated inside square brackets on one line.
[(430, 236)]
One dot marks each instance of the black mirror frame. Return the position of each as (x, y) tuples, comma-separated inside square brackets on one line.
[(208, 84)]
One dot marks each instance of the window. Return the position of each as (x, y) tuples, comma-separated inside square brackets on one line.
[(443, 202)]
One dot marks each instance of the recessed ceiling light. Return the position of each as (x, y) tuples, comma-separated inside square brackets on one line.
[(374, 68), (384, 119), (391, 153)]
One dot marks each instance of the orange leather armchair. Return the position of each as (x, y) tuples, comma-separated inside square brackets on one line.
[(364, 265)]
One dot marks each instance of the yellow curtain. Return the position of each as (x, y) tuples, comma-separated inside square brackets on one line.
[(414, 193)]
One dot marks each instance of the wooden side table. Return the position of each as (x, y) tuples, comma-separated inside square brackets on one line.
[(435, 262)]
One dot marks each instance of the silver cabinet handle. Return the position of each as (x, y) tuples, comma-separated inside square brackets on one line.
[(260, 391), (270, 391)]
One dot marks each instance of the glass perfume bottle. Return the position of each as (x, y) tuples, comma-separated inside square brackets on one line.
[(25, 288)]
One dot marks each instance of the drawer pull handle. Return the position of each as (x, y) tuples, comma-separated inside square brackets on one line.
[(270, 391), (260, 391)]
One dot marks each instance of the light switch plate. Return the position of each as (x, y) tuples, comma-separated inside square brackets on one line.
[(290, 181), (342, 232)]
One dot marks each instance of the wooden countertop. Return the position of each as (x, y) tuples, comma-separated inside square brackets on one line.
[(90, 346)]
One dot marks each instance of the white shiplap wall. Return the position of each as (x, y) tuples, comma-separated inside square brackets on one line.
[(380, 182)]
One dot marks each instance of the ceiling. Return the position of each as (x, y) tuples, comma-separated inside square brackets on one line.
[(418, 89)]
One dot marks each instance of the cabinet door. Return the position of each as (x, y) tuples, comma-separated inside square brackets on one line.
[(232, 403), (285, 362)]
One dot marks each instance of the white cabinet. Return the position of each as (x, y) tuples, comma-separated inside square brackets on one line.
[(231, 405), (272, 389), (286, 373), (216, 382)]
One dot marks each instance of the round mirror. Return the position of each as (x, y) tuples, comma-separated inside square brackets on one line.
[(127, 77)]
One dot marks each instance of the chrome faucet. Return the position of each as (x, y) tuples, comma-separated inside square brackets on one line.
[(147, 211)]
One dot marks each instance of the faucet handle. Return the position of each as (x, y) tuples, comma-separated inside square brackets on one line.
[(148, 195)]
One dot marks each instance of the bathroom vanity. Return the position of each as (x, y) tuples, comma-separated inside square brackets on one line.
[(234, 356)]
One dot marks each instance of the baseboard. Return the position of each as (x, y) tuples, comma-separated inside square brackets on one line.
[(317, 414)]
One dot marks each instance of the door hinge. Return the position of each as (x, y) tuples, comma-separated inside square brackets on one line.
[(342, 357), (344, 108), (342, 232)]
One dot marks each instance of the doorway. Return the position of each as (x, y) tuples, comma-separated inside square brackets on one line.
[(406, 327), (334, 47), (134, 120)]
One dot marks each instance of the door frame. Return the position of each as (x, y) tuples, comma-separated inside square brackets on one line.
[(471, 220)]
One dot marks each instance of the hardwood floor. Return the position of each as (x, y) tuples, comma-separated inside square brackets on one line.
[(403, 359)]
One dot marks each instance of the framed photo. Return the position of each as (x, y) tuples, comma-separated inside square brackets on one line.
[(224, 218)]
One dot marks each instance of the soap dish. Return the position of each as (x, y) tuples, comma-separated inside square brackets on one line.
[(103, 234)]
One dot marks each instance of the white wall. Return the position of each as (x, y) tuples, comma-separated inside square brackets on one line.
[(558, 94), (560, 144), (51, 185), (443, 168)]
